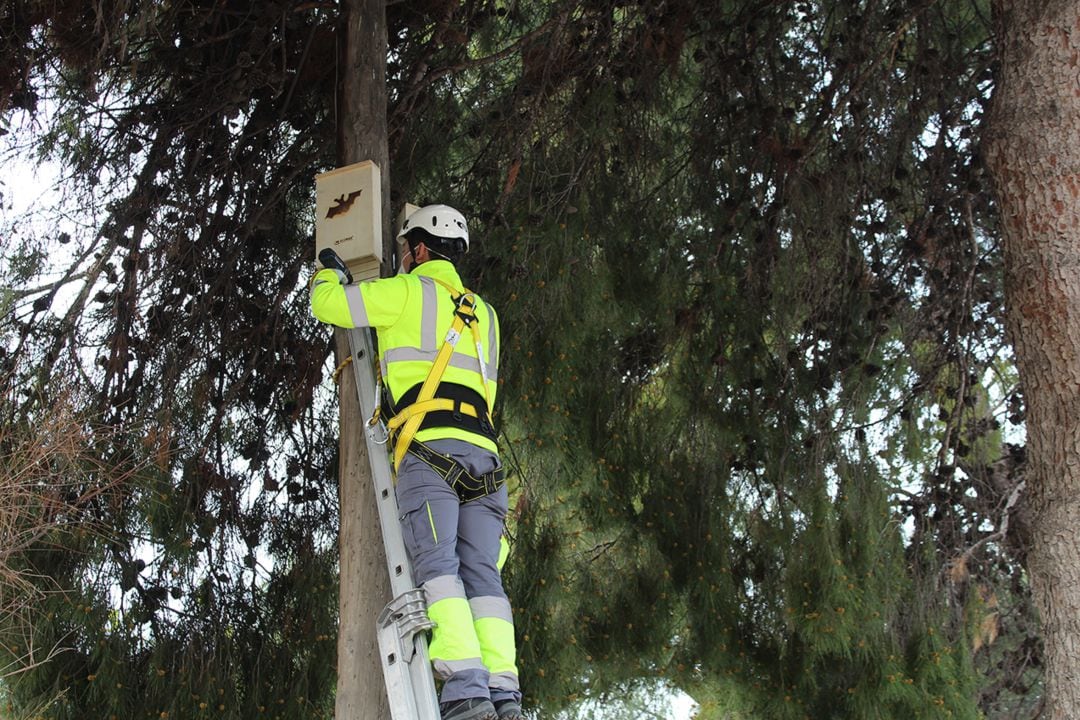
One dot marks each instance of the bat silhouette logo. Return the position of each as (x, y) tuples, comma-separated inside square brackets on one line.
[(342, 204)]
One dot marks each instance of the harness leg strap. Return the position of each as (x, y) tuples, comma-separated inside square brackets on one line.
[(468, 487)]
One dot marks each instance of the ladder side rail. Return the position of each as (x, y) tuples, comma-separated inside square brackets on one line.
[(423, 705)]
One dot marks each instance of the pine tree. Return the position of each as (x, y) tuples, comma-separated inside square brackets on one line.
[(746, 264), (1035, 108)]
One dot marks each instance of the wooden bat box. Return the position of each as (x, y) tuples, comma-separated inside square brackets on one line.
[(348, 217)]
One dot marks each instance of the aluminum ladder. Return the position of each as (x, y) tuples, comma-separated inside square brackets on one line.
[(410, 684)]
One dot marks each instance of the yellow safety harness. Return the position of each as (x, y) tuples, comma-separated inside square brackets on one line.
[(404, 425)]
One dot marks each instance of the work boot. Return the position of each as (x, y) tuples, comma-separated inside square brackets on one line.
[(468, 709), (509, 710)]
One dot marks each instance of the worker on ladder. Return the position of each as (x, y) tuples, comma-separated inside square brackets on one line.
[(439, 357)]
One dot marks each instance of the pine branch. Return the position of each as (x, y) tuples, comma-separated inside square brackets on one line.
[(958, 566), (423, 78), (22, 294), (30, 659)]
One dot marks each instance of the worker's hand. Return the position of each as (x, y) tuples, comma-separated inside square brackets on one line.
[(342, 277), (331, 261), (332, 275)]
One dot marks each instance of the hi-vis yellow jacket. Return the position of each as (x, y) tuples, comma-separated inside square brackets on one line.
[(411, 314)]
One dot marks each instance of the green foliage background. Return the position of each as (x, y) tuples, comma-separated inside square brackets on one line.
[(755, 385)]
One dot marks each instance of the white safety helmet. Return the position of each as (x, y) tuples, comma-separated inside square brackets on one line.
[(439, 220)]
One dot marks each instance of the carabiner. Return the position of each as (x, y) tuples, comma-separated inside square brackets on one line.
[(372, 427)]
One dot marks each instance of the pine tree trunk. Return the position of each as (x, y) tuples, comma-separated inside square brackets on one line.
[(1033, 154), (364, 584)]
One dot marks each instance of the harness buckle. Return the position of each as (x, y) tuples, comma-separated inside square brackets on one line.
[(465, 308), (453, 478)]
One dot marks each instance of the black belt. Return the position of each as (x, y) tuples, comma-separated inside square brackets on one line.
[(448, 418), (467, 486)]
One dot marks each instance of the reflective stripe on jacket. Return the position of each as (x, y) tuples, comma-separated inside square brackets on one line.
[(411, 314)]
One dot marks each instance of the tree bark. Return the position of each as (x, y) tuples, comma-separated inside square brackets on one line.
[(364, 583), (1033, 155)]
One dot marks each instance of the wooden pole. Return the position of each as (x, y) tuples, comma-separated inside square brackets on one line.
[(365, 586), (1034, 160)]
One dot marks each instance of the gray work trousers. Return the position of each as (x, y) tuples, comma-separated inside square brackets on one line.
[(447, 541)]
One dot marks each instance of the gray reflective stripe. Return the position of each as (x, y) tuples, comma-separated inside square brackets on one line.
[(504, 681), (491, 606), (429, 314), (443, 587), (493, 344), (464, 362), (457, 360), (445, 668), (406, 354), (357, 311)]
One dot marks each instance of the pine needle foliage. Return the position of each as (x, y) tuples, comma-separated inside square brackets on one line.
[(754, 381)]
